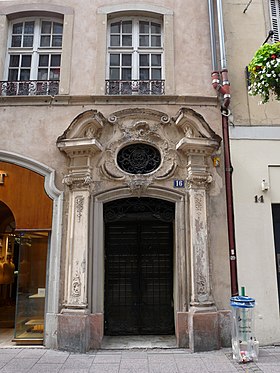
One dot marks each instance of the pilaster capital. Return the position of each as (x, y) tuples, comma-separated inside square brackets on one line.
[(78, 180), (198, 179)]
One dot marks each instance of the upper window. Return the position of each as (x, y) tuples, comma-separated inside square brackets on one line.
[(275, 18), (135, 57), (34, 55)]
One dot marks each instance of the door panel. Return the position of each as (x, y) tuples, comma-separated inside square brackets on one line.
[(138, 278)]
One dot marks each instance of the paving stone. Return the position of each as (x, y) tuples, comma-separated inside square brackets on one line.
[(104, 368), (54, 357), (134, 355), (137, 364), (19, 365), (79, 362), (45, 368), (6, 357), (75, 370), (99, 359), (13, 351), (28, 353)]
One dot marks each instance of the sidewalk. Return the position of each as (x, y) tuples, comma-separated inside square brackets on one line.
[(41, 360)]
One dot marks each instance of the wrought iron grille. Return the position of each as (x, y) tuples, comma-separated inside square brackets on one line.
[(138, 159), (132, 87), (29, 88), (138, 267), (140, 209)]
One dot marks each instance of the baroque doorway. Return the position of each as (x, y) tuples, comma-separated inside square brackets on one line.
[(139, 267)]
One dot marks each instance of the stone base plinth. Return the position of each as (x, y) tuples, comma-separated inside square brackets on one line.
[(225, 325), (204, 331), (96, 322), (79, 331), (182, 329), (73, 331), (209, 330)]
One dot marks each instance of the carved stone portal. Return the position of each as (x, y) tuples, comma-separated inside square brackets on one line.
[(182, 147)]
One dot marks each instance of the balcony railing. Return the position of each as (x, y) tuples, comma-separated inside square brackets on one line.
[(135, 87), (29, 88)]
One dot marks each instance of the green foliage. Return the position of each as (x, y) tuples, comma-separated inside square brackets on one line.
[(264, 72)]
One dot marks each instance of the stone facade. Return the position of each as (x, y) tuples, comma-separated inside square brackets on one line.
[(75, 137)]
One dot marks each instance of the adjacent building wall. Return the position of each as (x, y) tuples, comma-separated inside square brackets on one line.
[(255, 138)]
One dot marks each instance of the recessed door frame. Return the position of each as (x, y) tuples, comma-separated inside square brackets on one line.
[(180, 247)]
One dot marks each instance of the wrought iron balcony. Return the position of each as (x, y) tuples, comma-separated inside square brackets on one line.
[(135, 87), (29, 88)]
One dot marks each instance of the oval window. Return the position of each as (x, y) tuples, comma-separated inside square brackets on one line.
[(138, 159)]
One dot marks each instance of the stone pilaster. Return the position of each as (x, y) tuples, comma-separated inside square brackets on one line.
[(203, 317), (77, 250), (74, 321), (198, 180)]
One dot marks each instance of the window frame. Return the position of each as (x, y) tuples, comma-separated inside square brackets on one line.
[(135, 50), (36, 50)]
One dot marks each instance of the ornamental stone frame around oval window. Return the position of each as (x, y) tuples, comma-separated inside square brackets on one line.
[(92, 142)]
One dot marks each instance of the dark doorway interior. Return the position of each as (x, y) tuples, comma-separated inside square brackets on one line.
[(139, 267), (276, 227)]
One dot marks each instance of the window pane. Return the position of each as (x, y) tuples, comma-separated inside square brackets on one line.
[(144, 40), (144, 74), (57, 41), (115, 40), (156, 74), (16, 41), (156, 41), (42, 74), (57, 28), (144, 60), (46, 27), (126, 59), (114, 74), (55, 60), (24, 74), (155, 28), (144, 27), (17, 28), (13, 74), (126, 74), (29, 28), (28, 41), (115, 28), (114, 60), (127, 40), (26, 61), (127, 27), (44, 60), (45, 41), (156, 59), (14, 60), (54, 74)]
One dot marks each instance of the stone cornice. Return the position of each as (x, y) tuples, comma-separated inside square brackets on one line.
[(67, 100)]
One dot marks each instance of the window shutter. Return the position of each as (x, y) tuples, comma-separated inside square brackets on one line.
[(275, 18)]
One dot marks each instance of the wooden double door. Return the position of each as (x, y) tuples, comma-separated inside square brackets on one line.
[(139, 277)]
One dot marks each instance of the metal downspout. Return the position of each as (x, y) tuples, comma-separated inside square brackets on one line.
[(224, 90)]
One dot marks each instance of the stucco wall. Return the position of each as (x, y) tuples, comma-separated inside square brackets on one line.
[(244, 34), (254, 230)]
